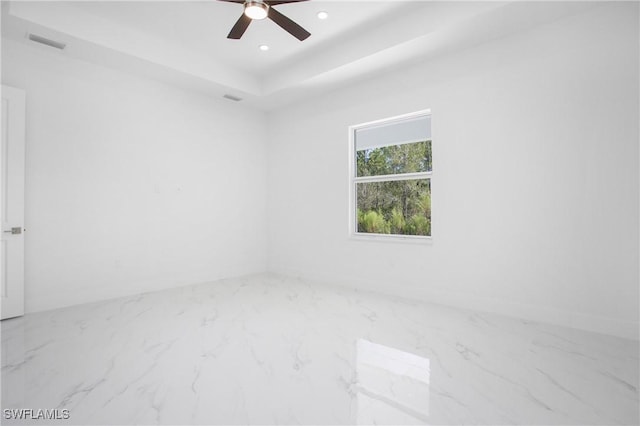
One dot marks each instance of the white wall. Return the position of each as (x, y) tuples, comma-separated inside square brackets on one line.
[(132, 185), (535, 190)]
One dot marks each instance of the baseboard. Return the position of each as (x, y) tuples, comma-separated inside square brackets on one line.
[(577, 320), (90, 295)]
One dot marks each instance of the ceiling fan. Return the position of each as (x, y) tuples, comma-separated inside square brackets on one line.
[(260, 9)]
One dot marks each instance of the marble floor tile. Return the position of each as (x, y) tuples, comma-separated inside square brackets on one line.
[(276, 350)]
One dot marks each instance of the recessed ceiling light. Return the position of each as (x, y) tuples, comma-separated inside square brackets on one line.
[(263, 47), (323, 15)]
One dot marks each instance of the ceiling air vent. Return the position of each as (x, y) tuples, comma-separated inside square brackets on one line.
[(46, 41), (232, 98)]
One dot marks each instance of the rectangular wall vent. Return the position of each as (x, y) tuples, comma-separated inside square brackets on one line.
[(231, 97), (46, 41)]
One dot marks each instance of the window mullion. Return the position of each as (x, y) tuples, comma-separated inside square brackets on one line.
[(387, 178)]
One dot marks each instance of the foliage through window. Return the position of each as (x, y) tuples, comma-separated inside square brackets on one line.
[(391, 179)]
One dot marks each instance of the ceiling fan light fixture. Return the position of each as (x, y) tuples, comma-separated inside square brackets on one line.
[(256, 9)]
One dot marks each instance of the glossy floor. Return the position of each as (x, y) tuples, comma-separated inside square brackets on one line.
[(273, 350)]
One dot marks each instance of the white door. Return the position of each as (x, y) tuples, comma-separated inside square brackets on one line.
[(12, 199)]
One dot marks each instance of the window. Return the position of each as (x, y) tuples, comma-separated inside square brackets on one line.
[(391, 167)]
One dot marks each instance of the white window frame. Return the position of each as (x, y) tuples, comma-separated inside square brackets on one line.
[(354, 180)]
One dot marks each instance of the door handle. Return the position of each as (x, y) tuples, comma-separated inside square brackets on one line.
[(14, 231)]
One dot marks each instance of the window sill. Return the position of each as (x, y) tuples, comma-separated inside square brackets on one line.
[(402, 239)]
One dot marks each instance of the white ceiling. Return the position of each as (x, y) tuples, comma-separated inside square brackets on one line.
[(203, 26), (184, 42)]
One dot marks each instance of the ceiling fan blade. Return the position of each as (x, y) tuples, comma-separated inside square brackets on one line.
[(277, 2), (288, 25), (240, 27), (232, 1)]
